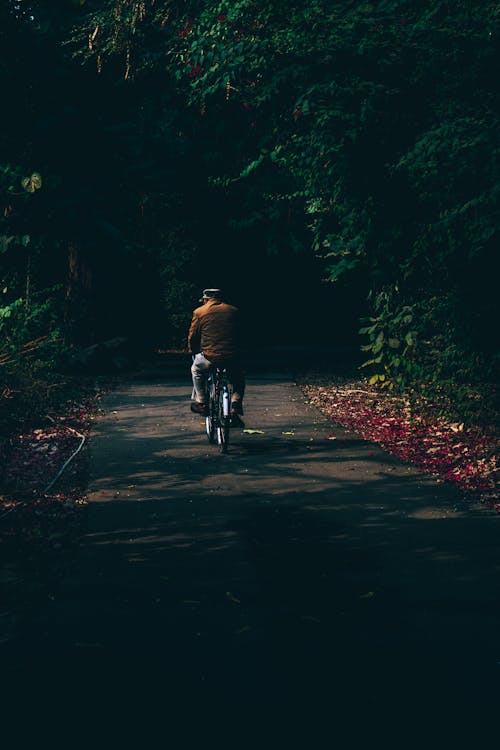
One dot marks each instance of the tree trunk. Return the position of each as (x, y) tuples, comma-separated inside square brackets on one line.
[(79, 317)]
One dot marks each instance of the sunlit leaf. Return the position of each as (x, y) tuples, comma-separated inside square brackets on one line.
[(32, 183)]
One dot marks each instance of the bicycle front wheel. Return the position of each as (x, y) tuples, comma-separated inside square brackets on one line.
[(223, 434), (224, 419), (211, 419)]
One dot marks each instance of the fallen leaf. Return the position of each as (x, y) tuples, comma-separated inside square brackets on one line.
[(232, 597), (288, 433), (254, 432)]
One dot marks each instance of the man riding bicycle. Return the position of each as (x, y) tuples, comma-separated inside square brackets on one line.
[(214, 339)]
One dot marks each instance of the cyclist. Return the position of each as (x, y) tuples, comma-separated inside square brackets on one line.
[(214, 338)]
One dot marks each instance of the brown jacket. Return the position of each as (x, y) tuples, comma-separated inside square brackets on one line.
[(215, 331)]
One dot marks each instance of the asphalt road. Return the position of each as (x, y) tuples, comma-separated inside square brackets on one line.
[(306, 578)]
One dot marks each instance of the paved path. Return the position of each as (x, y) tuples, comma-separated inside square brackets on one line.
[(298, 570)]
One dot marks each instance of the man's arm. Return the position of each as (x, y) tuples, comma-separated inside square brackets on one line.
[(194, 335)]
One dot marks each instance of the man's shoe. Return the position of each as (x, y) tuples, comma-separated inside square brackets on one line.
[(236, 420), (198, 408), (237, 407)]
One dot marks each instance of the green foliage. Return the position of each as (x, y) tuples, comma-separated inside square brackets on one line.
[(426, 350), (179, 292), (30, 348), (21, 322), (393, 341), (373, 125), (385, 118)]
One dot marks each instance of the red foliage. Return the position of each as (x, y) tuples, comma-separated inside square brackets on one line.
[(196, 70), (185, 31), (34, 461), (448, 450)]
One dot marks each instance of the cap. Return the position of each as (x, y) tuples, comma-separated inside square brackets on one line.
[(211, 294)]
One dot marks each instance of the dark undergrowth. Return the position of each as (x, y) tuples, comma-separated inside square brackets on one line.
[(45, 419)]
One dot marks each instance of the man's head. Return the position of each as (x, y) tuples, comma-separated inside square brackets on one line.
[(211, 294)]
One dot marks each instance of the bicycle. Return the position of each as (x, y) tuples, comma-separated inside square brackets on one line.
[(218, 421)]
